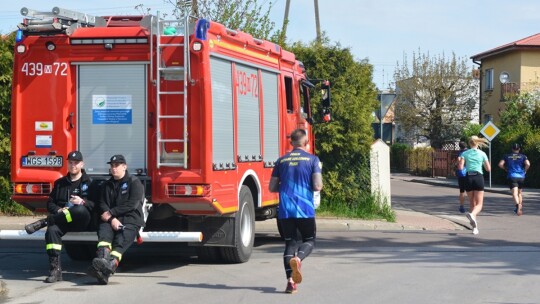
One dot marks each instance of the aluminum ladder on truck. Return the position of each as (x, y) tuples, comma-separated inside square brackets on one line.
[(168, 28), (57, 20)]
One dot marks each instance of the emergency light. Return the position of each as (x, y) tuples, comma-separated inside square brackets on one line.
[(202, 28), (19, 36)]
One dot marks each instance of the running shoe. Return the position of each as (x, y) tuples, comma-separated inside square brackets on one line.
[(475, 231), (519, 210), (472, 220), (516, 209), (461, 208), (291, 287), (296, 266)]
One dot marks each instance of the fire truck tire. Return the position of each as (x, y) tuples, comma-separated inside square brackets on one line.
[(80, 252), (244, 230), (208, 254)]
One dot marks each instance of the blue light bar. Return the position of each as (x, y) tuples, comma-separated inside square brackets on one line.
[(202, 28), (19, 36)]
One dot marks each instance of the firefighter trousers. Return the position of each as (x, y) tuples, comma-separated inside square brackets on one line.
[(76, 218), (117, 241)]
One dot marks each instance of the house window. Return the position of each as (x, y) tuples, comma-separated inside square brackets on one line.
[(489, 79)]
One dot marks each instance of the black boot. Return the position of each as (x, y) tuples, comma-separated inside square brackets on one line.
[(107, 267), (95, 270), (55, 270), (35, 226)]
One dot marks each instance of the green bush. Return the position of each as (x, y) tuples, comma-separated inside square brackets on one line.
[(398, 157), (366, 206), (7, 206), (420, 161)]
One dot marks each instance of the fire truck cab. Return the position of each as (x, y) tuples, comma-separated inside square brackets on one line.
[(201, 113)]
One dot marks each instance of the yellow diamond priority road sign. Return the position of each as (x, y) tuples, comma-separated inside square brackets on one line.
[(490, 130)]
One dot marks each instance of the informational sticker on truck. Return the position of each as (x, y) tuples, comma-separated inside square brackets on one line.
[(43, 141), (42, 161), (44, 126), (112, 109)]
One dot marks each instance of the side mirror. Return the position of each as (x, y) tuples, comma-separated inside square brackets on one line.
[(325, 90)]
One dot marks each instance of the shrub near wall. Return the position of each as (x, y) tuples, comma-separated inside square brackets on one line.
[(399, 157), (530, 141), (531, 148), (417, 161), (420, 161)]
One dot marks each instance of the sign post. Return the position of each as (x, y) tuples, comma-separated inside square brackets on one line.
[(490, 131)]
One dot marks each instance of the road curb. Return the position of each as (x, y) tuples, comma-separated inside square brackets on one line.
[(444, 184)]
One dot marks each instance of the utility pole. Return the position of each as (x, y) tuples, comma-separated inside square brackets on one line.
[(195, 8), (317, 22), (285, 22)]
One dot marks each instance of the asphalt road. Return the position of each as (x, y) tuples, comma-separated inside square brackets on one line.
[(500, 265)]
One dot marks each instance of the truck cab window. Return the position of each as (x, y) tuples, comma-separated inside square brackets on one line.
[(289, 94)]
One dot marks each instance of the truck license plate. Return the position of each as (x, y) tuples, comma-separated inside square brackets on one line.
[(42, 161)]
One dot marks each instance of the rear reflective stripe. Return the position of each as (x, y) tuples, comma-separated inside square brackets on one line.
[(117, 254), (68, 215), (104, 244), (53, 247)]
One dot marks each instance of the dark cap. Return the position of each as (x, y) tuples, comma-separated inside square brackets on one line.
[(117, 159), (515, 146), (75, 155)]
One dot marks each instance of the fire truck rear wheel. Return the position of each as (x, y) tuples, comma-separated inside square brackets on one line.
[(244, 230)]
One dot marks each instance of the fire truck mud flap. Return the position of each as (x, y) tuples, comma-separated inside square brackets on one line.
[(228, 239)]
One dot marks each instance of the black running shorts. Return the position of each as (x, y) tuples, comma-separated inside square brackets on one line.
[(474, 183), (516, 182)]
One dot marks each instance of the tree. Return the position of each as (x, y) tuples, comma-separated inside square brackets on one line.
[(343, 144), (436, 97), (520, 122), (7, 44), (246, 15)]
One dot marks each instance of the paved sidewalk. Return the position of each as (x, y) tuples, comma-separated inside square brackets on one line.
[(452, 182)]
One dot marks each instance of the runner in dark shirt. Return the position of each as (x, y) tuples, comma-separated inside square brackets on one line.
[(516, 165)]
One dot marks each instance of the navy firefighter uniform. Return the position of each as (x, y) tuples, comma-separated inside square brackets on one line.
[(122, 217)]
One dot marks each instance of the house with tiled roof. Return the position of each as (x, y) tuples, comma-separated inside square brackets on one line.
[(507, 70)]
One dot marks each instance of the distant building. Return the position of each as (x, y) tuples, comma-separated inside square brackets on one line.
[(507, 70)]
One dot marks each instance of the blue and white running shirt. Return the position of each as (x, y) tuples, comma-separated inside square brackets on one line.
[(295, 170)]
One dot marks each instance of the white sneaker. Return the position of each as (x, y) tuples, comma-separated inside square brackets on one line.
[(475, 231), (472, 220)]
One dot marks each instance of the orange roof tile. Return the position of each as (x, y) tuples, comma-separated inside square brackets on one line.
[(525, 43)]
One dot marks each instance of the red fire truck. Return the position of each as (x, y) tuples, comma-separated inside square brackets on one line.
[(200, 111)]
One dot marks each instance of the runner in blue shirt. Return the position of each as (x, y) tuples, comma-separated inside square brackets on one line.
[(461, 176), (296, 176), (516, 166)]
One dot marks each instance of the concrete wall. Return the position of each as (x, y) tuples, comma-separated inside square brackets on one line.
[(380, 170)]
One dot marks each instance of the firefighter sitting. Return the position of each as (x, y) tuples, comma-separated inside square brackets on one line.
[(120, 206), (70, 210)]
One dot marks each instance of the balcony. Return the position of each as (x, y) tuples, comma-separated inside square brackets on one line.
[(509, 90)]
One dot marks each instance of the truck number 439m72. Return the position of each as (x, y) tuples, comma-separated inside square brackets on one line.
[(39, 69)]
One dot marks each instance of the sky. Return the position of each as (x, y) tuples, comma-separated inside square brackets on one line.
[(384, 32)]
